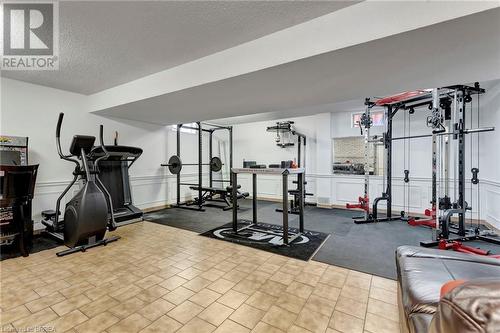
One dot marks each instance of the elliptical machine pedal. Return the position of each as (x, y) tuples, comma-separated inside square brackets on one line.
[(48, 220)]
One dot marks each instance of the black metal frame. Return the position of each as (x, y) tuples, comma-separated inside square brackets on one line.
[(288, 128), (391, 109), (460, 207), (287, 237), (390, 112), (199, 202), (301, 144), (459, 132)]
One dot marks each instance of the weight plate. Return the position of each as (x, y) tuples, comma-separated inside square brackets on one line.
[(215, 164), (174, 164)]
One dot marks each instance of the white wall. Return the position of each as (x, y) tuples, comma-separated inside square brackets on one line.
[(253, 143), (490, 157), (32, 110)]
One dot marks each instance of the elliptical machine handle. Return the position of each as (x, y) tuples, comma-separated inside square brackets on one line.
[(59, 124), (58, 141), (66, 158), (58, 135), (101, 135), (101, 142), (111, 223)]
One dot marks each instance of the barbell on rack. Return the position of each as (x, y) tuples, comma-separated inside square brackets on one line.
[(175, 164)]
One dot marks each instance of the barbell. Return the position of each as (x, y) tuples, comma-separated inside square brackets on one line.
[(175, 164)]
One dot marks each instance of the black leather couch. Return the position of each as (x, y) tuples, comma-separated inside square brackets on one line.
[(422, 272)]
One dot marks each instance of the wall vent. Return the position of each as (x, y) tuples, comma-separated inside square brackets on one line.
[(323, 201)]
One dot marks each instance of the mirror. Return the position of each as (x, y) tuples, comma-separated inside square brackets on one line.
[(349, 156)]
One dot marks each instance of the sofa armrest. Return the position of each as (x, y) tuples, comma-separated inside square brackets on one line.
[(472, 307)]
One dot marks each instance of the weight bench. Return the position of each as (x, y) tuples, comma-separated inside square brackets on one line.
[(224, 196)]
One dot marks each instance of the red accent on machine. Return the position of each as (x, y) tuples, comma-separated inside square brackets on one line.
[(459, 247), (399, 97), (363, 203), (430, 222)]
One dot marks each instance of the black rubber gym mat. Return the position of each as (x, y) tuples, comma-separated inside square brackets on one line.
[(40, 243), (303, 247), (368, 248)]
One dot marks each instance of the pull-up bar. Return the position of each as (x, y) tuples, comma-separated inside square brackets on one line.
[(467, 131), (215, 127), (194, 128)]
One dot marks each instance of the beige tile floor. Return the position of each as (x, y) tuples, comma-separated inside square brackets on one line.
[(162, 279)]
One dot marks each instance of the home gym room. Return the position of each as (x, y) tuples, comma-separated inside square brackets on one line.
[(250, 166)]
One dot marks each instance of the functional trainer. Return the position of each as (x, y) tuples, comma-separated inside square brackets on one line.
[(406, 102), (86, 214), (448, 121), (446, 233)]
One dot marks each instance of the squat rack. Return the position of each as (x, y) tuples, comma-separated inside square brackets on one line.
[(365, 123), (200, 129), (390, 111)]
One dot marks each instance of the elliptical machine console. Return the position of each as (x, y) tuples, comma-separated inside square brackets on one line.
[(86, 214)]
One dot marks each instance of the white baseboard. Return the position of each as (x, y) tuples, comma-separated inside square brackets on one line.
[(159, 190)]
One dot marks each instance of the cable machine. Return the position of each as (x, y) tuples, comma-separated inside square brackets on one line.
[(365, 123), (439, 122), (448, 234), (442, 102)]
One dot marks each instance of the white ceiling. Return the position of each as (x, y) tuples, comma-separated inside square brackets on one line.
[(104, 44), (356, 105), (457, 51)]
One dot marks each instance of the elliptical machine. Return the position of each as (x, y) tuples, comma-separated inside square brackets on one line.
[(86, 214)]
